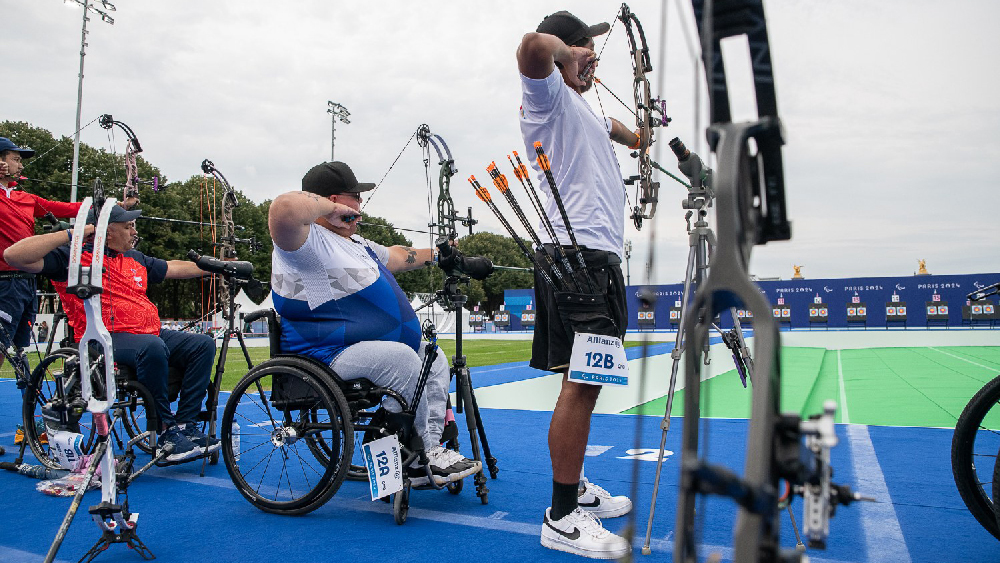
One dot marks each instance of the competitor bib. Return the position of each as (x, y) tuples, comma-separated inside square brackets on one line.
[(598, 360)]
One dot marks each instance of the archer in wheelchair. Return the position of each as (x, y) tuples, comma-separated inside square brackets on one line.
[(153, 363), (349, 341)]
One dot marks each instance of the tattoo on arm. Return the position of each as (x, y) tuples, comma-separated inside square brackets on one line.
[(411, 255)]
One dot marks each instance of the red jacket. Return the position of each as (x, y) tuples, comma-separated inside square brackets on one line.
[(17, 217), (125, 307)]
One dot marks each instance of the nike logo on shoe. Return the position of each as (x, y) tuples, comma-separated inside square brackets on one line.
[(593, 504), (572, 536)]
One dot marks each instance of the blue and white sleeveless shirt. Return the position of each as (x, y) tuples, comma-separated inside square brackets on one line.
[(335, 291)]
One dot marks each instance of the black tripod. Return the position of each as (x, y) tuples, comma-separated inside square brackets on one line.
[(453, 299), (238, 274)]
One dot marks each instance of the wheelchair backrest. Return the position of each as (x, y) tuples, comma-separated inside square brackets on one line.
[(273, 327)]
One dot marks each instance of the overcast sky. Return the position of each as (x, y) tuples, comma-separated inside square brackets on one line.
[(891, 108)]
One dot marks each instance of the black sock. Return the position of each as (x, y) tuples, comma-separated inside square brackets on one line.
[(563, 499)]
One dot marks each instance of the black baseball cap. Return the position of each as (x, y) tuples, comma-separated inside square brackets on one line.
[(332, 178), (118, 215), (7, 145), (570, 28)]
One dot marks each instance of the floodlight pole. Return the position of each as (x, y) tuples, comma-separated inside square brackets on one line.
[(87, 7), (336, 111)]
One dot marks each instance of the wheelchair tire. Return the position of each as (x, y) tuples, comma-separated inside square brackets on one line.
[(41, 389), (996, 489), (975, 448), (137, 412), (401, 504), (276, 466)]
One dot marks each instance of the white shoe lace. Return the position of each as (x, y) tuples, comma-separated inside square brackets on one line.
[(597, 490), (589, 523)]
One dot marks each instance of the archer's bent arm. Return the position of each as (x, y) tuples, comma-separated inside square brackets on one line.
[(292, 213), (539, 52), (28, 255)]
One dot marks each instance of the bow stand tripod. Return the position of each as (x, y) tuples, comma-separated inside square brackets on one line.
[(701, 243), (451, 298)]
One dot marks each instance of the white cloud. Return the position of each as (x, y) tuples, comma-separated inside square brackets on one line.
[(890, 108)]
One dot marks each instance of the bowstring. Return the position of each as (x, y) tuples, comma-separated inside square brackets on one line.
[(56, 145), (600, 103), (379, 184)]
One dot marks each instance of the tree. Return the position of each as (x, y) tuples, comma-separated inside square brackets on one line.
[(199, 200), (503, 251)]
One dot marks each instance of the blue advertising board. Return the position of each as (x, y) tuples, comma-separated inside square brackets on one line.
[(836, 293)]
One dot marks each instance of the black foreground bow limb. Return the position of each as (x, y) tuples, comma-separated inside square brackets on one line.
[(750, 210)]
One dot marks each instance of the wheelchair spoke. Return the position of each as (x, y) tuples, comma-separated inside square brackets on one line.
[(263, 399)]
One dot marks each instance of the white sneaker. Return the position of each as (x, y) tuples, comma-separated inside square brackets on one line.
[(446, 465), (599, 502), (581, 533)]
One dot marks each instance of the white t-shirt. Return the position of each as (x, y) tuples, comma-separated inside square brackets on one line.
[(335, 291), (583, 162)]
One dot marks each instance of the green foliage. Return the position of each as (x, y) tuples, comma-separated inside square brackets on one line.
[(503, 251), (199, 199)]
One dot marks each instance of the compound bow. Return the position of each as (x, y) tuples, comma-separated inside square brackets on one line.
[(132, 150), (650, 113), (446, 216), (227, 240)]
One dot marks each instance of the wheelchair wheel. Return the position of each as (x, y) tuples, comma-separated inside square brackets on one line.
[(286, 416), (975, 448), (358, 471), (136, 411), (401, 504), (57, 370)]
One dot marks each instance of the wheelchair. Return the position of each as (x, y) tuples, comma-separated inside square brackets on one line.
[(288, 431), (53, 401)]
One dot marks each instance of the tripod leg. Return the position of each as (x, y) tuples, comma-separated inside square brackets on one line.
[(665, 422), (464, 389), (491, 461)]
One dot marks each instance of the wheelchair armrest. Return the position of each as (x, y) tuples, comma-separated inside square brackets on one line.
[(273, 327)]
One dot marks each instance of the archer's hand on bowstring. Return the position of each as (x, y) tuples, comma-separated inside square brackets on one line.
[(539, 53)]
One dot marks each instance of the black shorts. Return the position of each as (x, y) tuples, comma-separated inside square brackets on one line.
[(553, 340)]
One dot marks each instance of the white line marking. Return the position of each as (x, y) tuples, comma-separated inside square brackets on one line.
[(883, 536), (844, 417), (964, 359), (594, 450)]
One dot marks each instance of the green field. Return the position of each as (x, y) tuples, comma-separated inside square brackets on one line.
[(882, 386), (478, 352)]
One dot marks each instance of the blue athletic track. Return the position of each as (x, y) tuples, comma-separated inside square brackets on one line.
[(919, 516)]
